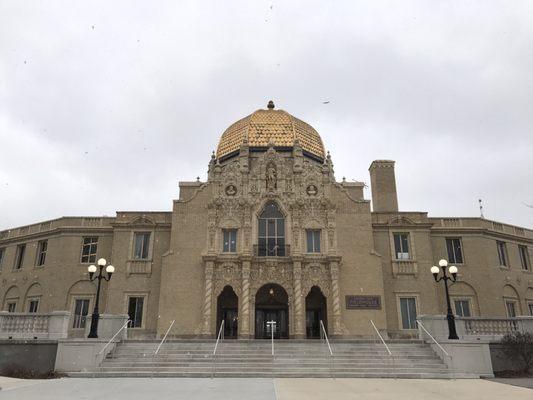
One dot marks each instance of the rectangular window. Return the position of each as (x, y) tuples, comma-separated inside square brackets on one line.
[(408, 310), (33, 305), (401, 246), (2, 252), (455, 250), (89, 248), (511, 309), (462, 308), (135, 311), (230, 241), (530, 307), (502, 253), (19, 259), (313, 241), (11, 306), (524, 257), (42, 246), (142, 245), (81, 309)]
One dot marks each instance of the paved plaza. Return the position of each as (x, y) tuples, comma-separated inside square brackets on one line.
[(258, 389)]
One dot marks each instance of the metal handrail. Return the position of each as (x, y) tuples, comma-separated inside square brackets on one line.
[(381, 337), (331, 358), (164, 338), (159, 347), (439, 346), (220, 332), (96, 363), (220, 336), (272, 335), (432, 338), (326, 337), (114, 336), (386, 347)]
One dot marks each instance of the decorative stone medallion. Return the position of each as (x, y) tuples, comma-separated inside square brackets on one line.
[(312, 190), (231, 190)]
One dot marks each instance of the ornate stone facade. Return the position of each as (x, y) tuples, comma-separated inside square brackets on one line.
[(271, 236)]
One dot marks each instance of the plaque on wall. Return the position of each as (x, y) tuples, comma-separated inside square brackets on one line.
[(363, 302)]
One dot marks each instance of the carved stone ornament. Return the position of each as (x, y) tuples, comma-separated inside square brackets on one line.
[(231, 190), (312, 190)]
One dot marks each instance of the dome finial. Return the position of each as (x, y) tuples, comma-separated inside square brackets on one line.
[(270, 105)]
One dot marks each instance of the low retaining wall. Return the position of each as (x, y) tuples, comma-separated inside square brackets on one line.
[(36, 357)]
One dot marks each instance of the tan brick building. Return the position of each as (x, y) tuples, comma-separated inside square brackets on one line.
[(271, 235)]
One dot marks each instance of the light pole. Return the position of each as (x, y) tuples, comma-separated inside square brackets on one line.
[(92, 269), (453, 271)]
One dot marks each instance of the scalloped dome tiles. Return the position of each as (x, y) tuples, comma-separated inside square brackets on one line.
[(270, 126)]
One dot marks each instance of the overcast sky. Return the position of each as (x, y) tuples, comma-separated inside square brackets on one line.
[(105, 106)]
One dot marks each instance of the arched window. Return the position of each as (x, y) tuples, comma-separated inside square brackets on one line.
[(271, 231)]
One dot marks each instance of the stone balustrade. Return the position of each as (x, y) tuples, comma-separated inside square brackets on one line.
[(34, 326), (489, 326), (475, 328)]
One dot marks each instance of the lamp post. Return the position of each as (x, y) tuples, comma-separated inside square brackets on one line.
[(453, 271), (92, 269)]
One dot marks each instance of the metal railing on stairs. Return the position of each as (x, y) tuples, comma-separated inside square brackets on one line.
[(384, 344), (99, 354), (159, 347), (443, 351), (325, 339), (220, 337)]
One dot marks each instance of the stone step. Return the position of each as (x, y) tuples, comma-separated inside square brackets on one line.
[(444, 374), (353, 358)]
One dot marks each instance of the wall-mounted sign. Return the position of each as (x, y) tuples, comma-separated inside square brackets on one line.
[(363, 302)]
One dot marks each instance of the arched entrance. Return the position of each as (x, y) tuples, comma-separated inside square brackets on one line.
[(228, 311), (315, 310), (271, 304)]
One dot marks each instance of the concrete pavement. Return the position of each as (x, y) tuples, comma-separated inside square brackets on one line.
[(258, 389)]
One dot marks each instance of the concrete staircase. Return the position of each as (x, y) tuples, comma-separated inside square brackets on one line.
[(253, 358)]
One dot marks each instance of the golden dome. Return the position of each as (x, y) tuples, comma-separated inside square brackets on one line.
[(270, 126)]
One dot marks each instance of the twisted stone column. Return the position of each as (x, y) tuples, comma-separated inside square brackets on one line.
[(244, 317), (208, 297), (336, 304), (298, 306)]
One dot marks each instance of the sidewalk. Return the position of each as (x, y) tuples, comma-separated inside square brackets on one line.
[(259, 389)]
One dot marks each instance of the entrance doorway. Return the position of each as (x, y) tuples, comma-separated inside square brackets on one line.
[(271, 304), (228, 311), (315, 311)]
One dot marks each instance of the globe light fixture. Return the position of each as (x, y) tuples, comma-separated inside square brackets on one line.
[(445, 278), (93, 333)]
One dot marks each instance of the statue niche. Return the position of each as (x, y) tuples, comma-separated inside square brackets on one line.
[(271, 176)]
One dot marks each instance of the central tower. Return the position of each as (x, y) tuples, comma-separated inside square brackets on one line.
[(259, 240)]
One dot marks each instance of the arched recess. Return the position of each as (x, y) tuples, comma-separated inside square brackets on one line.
[(271, 240), (11, 297), (79, 302), (461, 292), (34, 293), (271, 305), (315, 311), (228, 311), (511, 300)]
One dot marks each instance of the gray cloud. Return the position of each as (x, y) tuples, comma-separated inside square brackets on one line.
[(105, 106)]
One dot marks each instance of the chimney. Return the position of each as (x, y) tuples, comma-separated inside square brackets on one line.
[(383, 182)]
